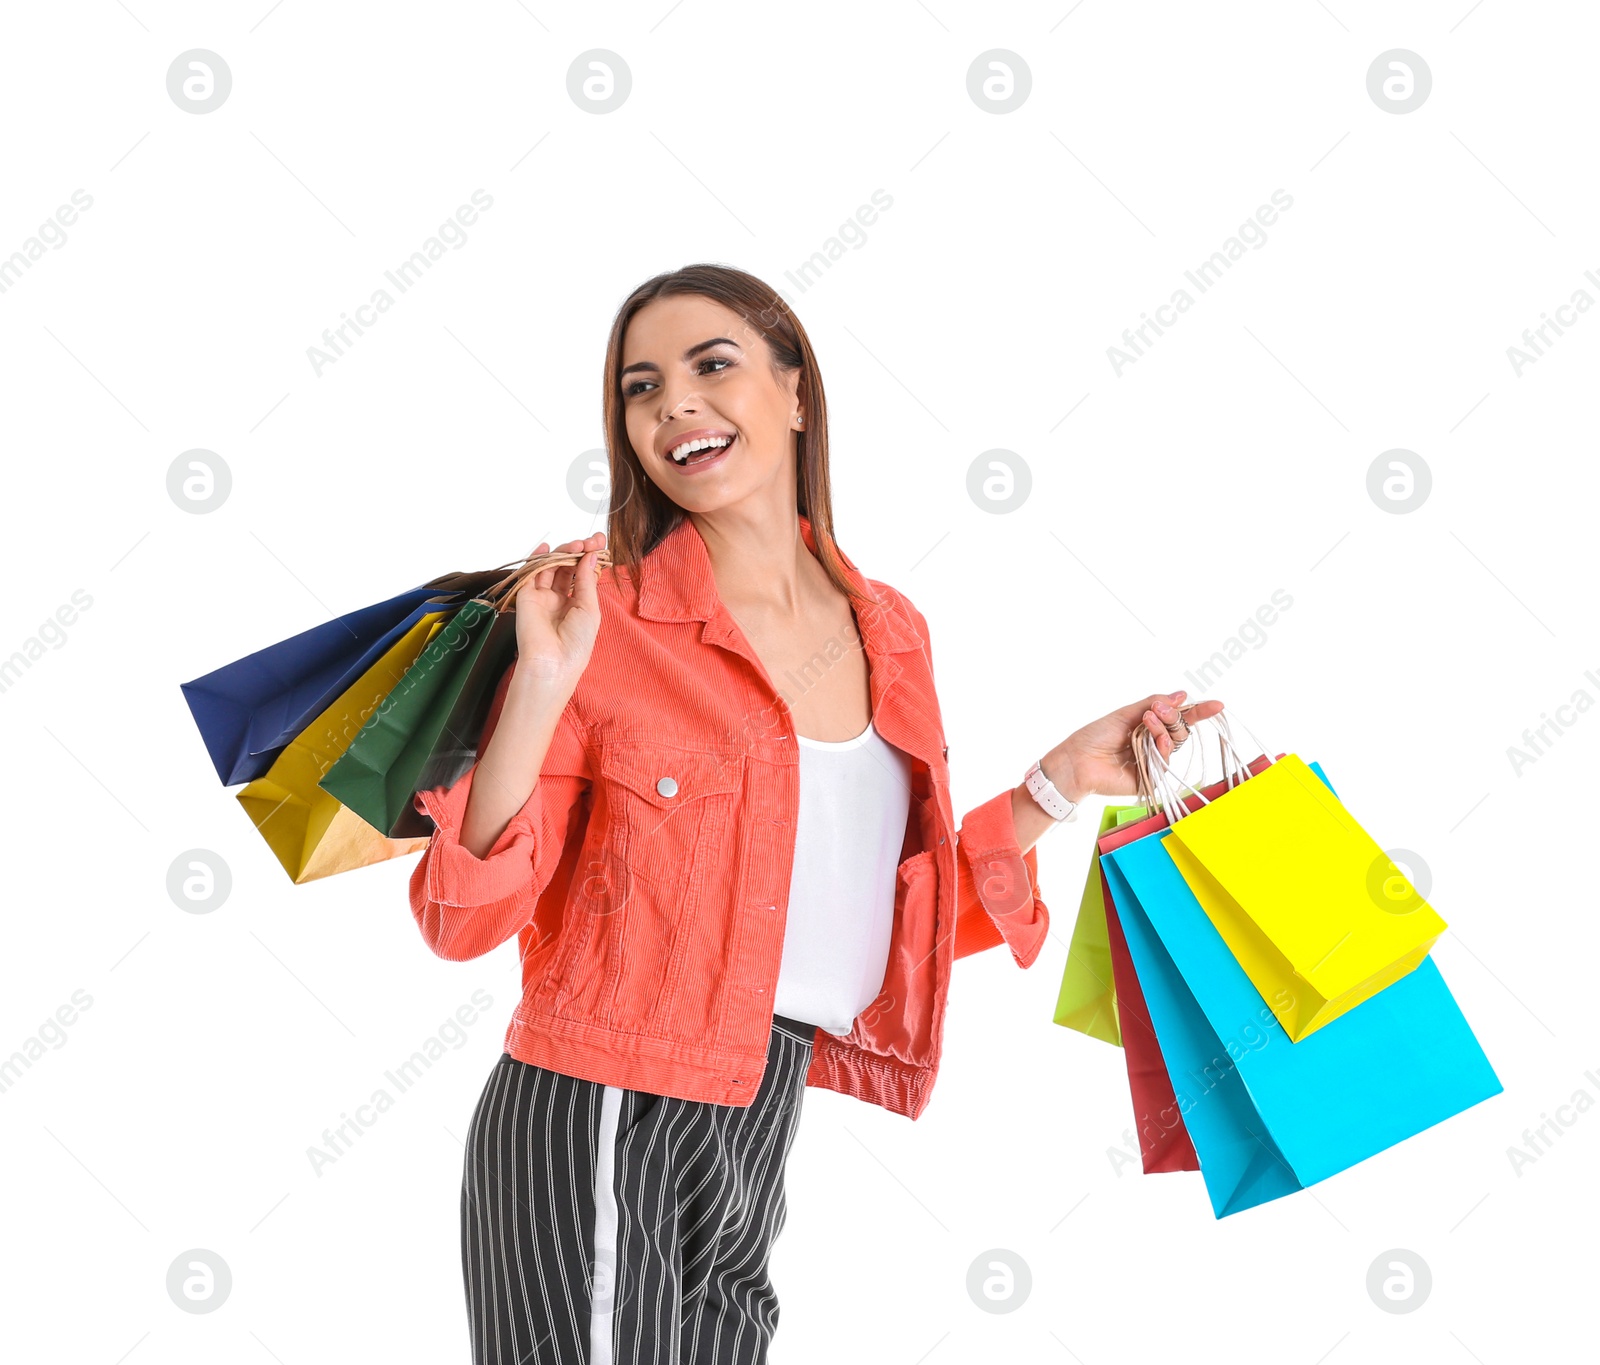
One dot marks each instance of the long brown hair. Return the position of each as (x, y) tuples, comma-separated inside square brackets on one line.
[(641, 514)]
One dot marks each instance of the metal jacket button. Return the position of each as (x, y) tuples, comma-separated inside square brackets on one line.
[(667, 786)]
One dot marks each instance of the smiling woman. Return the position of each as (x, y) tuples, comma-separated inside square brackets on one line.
[(705, 330), (712, 803)]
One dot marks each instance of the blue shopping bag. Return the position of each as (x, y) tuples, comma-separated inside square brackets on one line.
[(1267, 1115), (1239, 1161), (249, 710)]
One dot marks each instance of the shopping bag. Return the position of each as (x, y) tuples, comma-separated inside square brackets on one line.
[(1087, 1000), (1307, 901), (247, 711), (1164, 1144), (456, 749), (1268, 1115), (1164, 1140), (309, 832), (379, 773)]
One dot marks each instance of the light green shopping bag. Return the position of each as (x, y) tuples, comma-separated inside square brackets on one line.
[(1088, 998)]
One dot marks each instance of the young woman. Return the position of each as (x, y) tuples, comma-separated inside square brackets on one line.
[(712, 803)]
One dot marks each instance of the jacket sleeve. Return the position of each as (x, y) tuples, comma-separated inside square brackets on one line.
[(467, 906), (997, 885)]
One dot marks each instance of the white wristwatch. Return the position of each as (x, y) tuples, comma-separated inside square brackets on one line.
[(1044, 792)]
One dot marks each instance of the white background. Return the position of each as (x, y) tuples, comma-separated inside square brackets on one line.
[(1229, 461)]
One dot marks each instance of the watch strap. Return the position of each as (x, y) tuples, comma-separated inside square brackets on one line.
[(1044, 792)]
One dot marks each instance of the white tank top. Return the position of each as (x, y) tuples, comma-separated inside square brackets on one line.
[(855, 796)]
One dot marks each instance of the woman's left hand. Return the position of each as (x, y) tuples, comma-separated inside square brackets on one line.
[(1098, 759)]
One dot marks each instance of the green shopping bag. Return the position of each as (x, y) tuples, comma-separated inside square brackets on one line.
[(456, 749), (1088, 998), (425, 732)]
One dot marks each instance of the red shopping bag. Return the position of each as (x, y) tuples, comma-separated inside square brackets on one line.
[(1164, 1143), (1163, 1140)]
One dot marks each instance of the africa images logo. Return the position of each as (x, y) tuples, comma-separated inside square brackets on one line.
[(1251, 234)]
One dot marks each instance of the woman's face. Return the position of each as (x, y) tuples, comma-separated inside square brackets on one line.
[(694, 368)]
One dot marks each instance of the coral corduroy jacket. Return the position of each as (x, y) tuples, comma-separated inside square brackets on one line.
[(646, 878)]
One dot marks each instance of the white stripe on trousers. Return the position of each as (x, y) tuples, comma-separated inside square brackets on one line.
[(660, 1259), (603, 1296)]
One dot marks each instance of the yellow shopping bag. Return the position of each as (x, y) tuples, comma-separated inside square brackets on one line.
[(311, 833), (1306, 900)]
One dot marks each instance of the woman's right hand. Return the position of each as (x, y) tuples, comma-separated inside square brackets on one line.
[(558, 617)]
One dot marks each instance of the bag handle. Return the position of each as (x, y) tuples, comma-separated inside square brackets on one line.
[(1168, 783), (1161, 788), (1157, 782), (1235, 767), (502, 596)]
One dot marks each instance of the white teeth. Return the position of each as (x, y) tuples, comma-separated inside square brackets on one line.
[(681, 454)]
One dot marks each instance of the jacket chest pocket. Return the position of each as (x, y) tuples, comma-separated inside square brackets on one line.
[(660, 797), (668, 812)]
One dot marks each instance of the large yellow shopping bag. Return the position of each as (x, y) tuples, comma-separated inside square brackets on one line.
[(1312, 908), (310, 832)]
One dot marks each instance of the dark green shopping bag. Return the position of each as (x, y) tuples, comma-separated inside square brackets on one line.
[(425, 732), (456, 749)]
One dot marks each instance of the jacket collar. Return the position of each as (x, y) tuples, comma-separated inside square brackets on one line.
[(678, 585)]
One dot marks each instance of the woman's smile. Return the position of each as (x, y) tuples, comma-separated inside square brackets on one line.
[(692, 455)]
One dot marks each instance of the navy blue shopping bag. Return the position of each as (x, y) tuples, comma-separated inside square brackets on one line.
[(249, 710)]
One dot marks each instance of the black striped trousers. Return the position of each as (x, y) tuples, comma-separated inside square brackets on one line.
[(605, 1226)]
